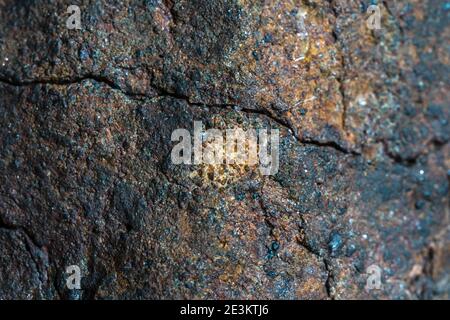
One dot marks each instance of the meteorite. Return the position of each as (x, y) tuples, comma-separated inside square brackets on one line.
[(86, 175)]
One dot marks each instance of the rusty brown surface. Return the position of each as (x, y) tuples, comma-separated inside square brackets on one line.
[(87, 179)]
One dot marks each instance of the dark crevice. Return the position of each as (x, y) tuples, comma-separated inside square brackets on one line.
[(28, 235), (293, 131), (161, 92), (69, 81), (165, 93), (31, 246), (169, 4), (308, 248), (330, 279), (344, 102), (271, 254), (411, 161), (394, 16)]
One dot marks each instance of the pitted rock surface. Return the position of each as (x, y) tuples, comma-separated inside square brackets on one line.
[(86, 118)]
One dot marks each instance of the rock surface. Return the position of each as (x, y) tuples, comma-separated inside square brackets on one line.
[(86, 118)]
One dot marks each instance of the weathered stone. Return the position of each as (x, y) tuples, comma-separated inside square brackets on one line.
[(86, 118)]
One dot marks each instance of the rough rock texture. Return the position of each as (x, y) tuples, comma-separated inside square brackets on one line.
[(86, 177)]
